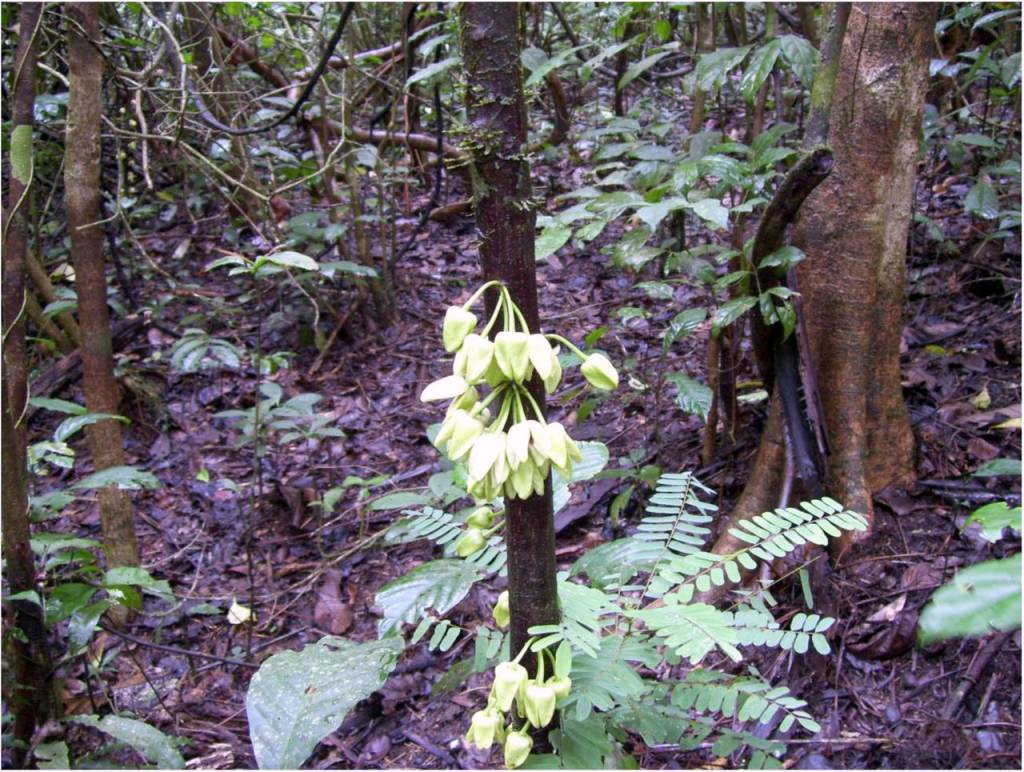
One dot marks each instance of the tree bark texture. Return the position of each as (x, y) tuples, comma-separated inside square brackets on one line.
[(15, 232), (853, 229), (82, 200), (506, 225), (29, 697)]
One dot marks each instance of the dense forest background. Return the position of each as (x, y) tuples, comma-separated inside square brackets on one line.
[(754, 500)]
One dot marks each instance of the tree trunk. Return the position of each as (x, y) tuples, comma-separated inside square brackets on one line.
[(852, 280), (29, 697), (82, 200), (505, 223), (15, 232)]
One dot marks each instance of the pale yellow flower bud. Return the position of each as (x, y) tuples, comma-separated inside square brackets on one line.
[(600, 372), (458, 323)]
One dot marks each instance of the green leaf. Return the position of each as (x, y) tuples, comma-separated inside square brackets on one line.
[(683, 324), (978, 140), (297, 698), (290, 259), (712, 211), (653, 214), (551, 240), (692, 396), (438, 585), (399, 500), (226, 260), (604, 54), (730, 311), (123, 477), (760, 66), (70, 426), (21, 154), (993, 518), (157, 747), (692, 630), (801, 56), (346, 266), (637, 69), (138, 577), (999, 467), (52, 755), (713, 68), (58, 405), (982, 200), (981, 599), (582, 744), (540, 65), (436, 68), (783, 257)]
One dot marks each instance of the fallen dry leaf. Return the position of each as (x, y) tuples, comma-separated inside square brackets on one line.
[(331, 614)]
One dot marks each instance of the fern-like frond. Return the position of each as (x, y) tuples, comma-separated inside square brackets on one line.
[(674, 525), (757, 628), (770, 535), (746, 699), (691, 630), (444, 636), (443, 529), (583, 616)]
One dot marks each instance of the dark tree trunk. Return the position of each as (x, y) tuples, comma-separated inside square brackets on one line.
[(505, 223), (15, 242), (82, 199), (29, 698)]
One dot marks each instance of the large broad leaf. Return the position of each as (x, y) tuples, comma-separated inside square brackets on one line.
[(713, 68), (711, 210), (760, 66), (289, 259), (70, 426), (994, 518), (147, 740), (638, 68), (800, 56), (551, 240), (982, 200), (124, 477), (297, 698), (683, 324), (692, 396), (438, 585), (431, 70), (980, 600)]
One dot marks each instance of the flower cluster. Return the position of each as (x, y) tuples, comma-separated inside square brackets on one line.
[(512, 452), (534, 700)]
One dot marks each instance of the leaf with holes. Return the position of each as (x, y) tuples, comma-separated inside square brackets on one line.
[(297, 698)]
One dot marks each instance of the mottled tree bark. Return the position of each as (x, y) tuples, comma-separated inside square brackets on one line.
[(15, 232), (505, 223), (853, 229), (82, 200)]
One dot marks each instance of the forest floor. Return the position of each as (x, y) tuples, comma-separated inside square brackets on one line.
[(880, 699)]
